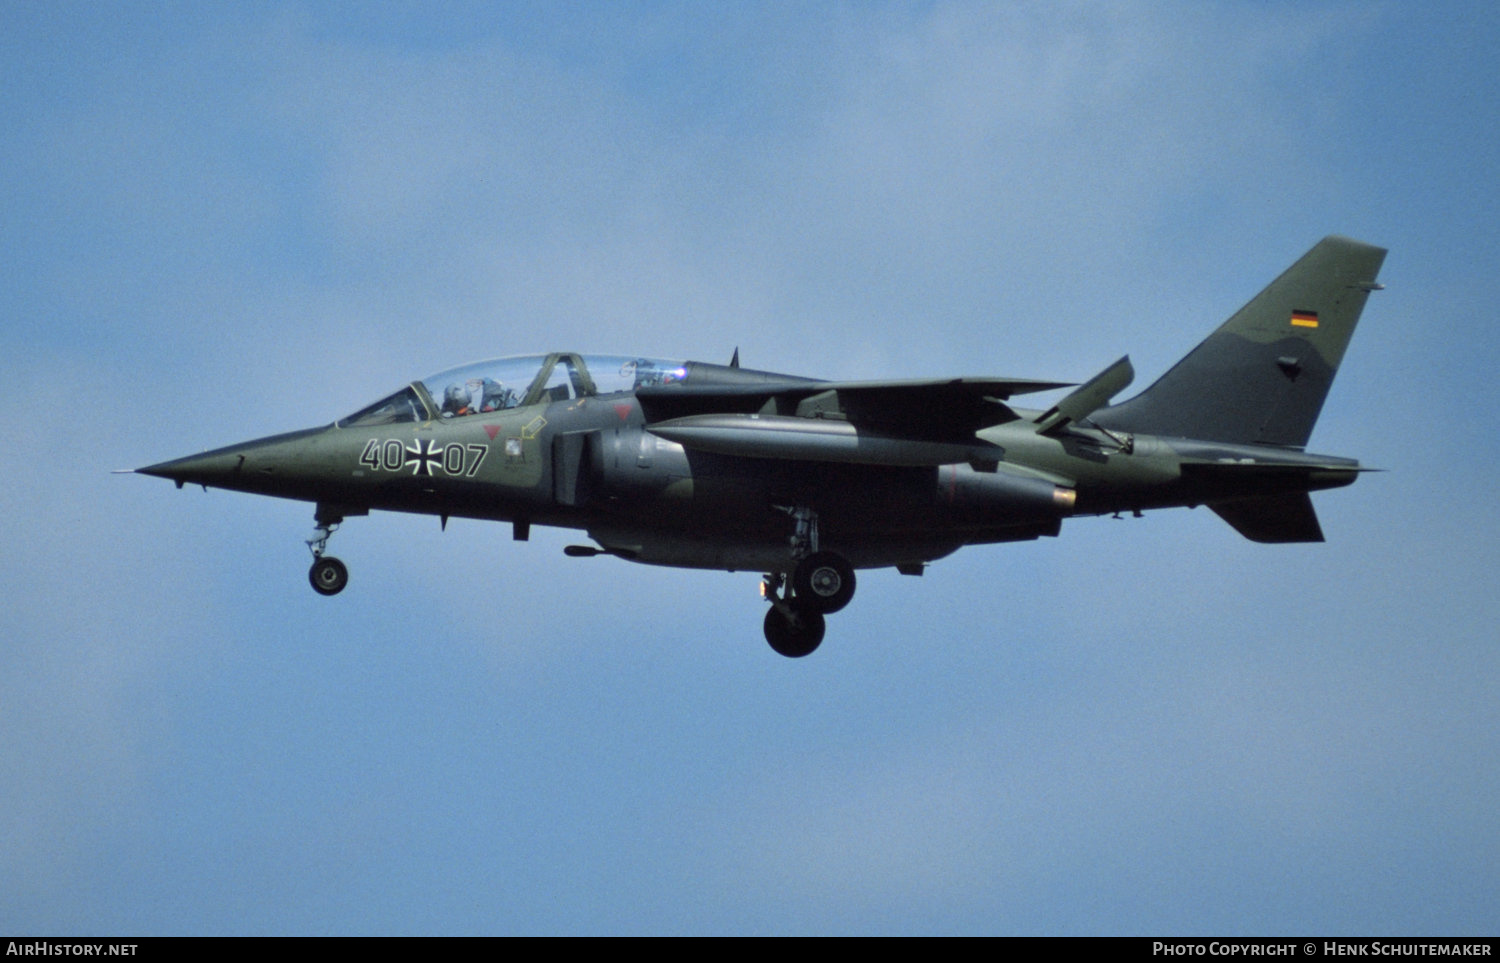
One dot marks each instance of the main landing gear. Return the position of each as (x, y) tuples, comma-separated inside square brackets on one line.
[(825, 581), (793, 630), (328, 575), (821, 584)]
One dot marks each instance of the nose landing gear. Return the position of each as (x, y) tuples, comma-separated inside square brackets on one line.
[(328, 575)]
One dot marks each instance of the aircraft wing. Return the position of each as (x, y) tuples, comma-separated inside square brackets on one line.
[(920, 422), (950, 407)]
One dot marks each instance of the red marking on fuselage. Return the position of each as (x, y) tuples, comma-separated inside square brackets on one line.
[(492, 431), (623, 411)]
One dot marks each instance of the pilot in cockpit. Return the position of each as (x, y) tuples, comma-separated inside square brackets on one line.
[(456, 401), (495, 396)]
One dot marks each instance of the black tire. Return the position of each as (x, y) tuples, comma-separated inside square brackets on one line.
[(796, 636), (328, 576), (823, 581)]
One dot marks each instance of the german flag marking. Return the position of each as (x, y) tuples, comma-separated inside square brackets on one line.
[(1304, 319)]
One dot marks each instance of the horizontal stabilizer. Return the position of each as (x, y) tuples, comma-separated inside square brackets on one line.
[(1088, 397), (1275, 519)]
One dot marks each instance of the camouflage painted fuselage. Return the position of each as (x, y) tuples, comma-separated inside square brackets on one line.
[(715, 466)]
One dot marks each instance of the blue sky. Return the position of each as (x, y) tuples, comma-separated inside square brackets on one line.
[(229, 220)]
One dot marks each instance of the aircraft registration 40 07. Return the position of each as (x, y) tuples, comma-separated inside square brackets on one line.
[(807, 481)]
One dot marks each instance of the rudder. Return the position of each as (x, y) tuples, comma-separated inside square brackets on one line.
[(1262, 377)]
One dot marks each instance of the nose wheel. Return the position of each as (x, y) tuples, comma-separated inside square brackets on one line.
[(328, 575)]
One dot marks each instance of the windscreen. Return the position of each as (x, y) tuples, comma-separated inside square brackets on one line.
[(402, 406)]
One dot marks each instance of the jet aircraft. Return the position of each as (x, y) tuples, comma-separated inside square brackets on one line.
[(807, 481)]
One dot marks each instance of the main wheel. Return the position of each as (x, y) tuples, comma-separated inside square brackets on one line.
[(328, 575), (824, 581), (797, 635)]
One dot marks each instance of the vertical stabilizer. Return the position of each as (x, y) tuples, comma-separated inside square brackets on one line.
[(1261, 378)]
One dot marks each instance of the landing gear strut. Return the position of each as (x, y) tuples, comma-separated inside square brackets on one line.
[(328, 575)]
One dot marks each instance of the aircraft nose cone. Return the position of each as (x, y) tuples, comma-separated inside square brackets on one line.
[(250, 466), (209, 468)]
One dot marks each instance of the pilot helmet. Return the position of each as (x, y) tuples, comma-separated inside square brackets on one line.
[(495, 395), (455, 399)]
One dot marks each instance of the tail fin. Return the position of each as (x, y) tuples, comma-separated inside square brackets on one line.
[(1262, 376)]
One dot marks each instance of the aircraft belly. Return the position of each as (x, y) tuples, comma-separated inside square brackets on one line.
[(715, 511), (722, 551)]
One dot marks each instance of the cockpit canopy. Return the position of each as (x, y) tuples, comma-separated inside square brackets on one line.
[(489, 386)]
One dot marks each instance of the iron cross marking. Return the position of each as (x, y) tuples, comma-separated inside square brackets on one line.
[(422, 462)]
